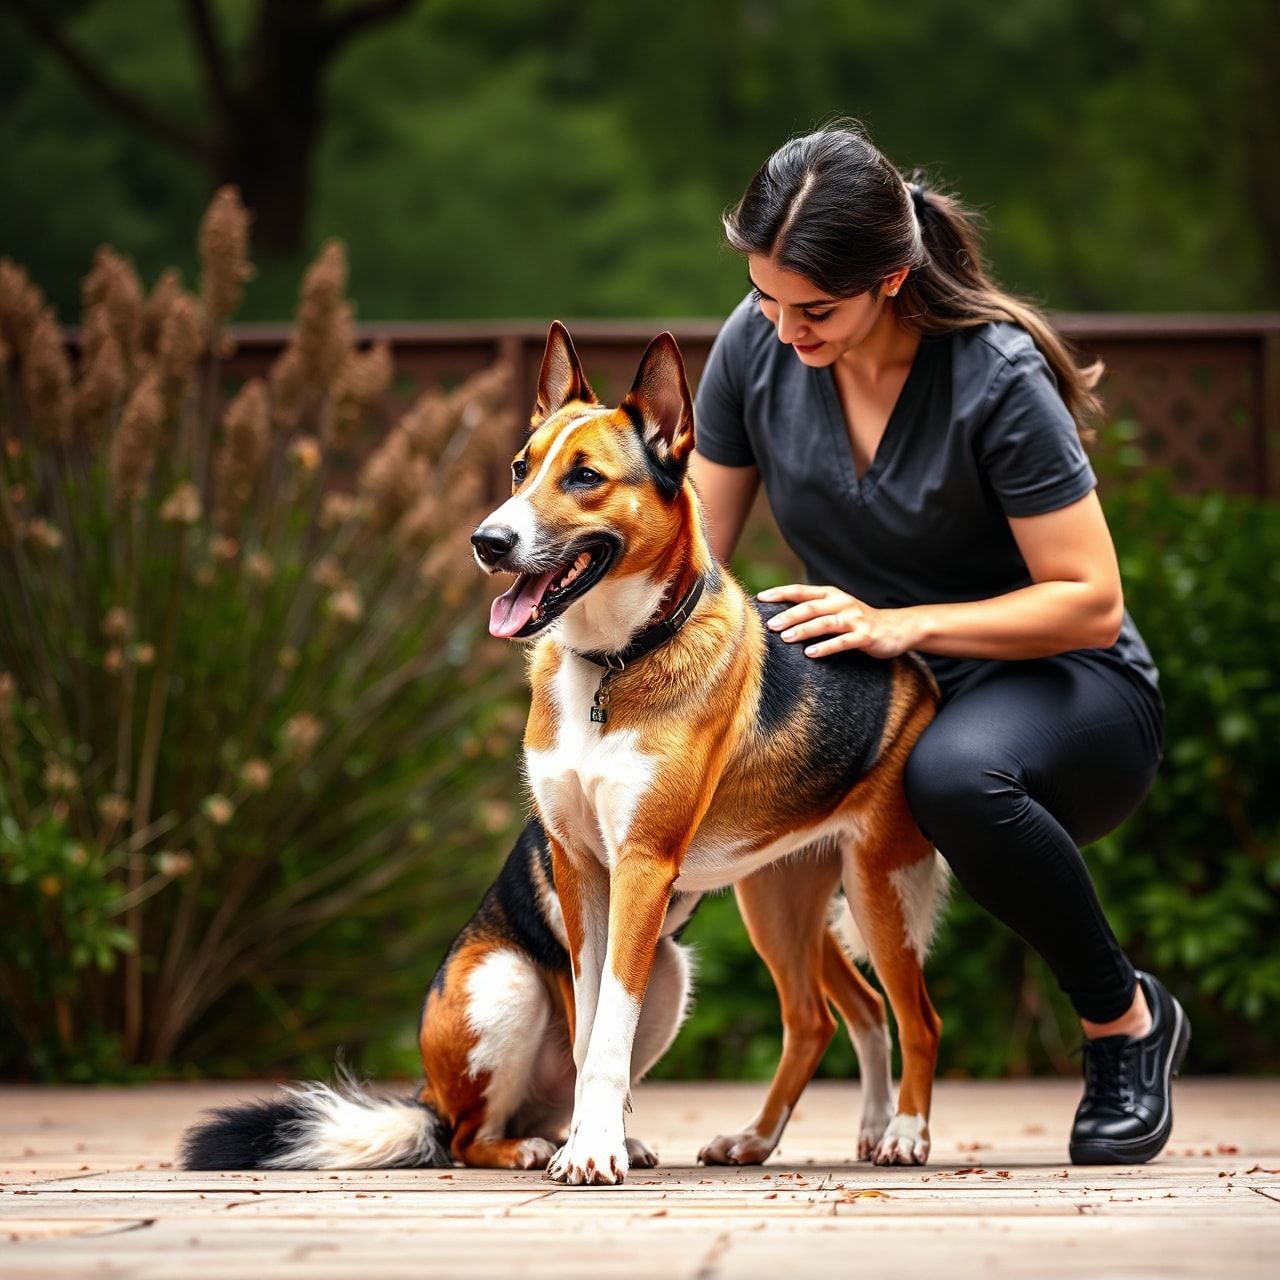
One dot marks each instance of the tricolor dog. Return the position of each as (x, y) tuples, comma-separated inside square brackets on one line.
[(674, 746)]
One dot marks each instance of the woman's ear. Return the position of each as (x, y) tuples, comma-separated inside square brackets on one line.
[(894, 281)]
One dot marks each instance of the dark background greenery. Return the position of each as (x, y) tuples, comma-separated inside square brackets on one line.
[(539, 157), (546, 157)]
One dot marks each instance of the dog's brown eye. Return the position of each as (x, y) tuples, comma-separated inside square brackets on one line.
[(584, 475), (519, 468)]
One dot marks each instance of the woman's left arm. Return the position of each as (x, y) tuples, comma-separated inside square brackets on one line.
[(1075, 602)]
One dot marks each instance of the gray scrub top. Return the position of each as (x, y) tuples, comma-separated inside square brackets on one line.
[(979, 433)]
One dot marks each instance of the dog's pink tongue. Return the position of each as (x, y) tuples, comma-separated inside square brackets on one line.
[(511, 610)]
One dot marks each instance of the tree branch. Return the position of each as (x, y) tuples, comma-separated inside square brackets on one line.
[(209, 46), (92, 78), (343, 25)]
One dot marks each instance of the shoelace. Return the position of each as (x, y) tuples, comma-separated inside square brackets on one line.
[(1108, 1072)]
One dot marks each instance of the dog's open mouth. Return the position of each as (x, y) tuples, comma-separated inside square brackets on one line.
[(535, 600)]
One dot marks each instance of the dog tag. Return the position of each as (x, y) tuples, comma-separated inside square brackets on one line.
[(600, 703)]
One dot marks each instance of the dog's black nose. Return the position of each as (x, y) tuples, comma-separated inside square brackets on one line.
[(493, 542)]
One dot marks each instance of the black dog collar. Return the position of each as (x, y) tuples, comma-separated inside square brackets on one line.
[(646, 642)]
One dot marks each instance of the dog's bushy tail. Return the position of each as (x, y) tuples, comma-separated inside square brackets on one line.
[(320, 1126)]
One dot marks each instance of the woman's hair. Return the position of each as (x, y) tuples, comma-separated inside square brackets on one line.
[(830, 207)]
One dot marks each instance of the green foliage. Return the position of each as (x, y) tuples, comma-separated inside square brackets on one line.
[(70, 898), (543, 158), (1191, 882), (1195, 876)]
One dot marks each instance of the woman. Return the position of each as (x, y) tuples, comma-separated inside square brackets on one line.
[(917, 433)]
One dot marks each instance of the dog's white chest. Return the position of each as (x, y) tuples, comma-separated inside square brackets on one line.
[(589, 783)]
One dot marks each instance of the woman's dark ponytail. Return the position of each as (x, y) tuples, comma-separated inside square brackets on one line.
[(830, 207)]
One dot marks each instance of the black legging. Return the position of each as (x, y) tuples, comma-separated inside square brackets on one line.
[(1025, 762)]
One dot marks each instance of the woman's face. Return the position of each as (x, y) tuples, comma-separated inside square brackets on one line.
[(819, 328)]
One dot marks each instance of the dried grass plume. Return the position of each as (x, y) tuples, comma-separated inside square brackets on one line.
[(224, 260)]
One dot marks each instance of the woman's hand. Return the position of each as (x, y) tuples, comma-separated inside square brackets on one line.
[(827, 611)]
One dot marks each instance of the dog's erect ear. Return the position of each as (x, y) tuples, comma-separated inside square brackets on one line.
[(561, 379), (660, 399)]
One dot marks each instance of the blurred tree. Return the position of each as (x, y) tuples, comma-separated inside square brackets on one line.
[(543, 157), (264, 114)]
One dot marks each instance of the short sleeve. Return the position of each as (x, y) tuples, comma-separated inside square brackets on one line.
[(720, 432), (1028, 443)]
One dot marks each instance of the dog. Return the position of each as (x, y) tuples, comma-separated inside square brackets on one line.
[(674, 746), (704, 765)]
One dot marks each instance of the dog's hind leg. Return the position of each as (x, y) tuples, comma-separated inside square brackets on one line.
[(862, 1008), (481, 1037), (878, 879), (785, 907)]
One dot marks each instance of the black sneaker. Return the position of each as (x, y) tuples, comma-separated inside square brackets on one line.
[(1127, 1109)]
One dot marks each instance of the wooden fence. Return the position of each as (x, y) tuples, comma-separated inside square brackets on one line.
[(1204, 390)]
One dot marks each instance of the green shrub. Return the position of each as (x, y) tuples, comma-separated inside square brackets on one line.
[(1191, 882), (248, 740)]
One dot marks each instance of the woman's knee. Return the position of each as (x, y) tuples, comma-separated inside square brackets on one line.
[(959, 782)]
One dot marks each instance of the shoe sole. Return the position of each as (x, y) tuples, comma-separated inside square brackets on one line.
[(1147, 1147)]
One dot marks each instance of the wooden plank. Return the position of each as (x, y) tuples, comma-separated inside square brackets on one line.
[(91, 1189)]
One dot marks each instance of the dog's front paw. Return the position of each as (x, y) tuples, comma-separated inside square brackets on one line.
[(640, 1156), (590, 1159), (906, 1141), (736, 1148)]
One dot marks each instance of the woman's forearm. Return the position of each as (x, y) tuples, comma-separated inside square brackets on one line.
[(1032, 622)]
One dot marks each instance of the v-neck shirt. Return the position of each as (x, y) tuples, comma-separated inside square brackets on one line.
[(977, 434)]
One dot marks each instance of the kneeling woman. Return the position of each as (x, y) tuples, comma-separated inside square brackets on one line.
[(917, 432)]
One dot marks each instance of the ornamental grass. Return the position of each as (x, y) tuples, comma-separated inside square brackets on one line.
[(257, 751)]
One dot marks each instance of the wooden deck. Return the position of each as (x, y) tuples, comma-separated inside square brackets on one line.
[(87, 1189)]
